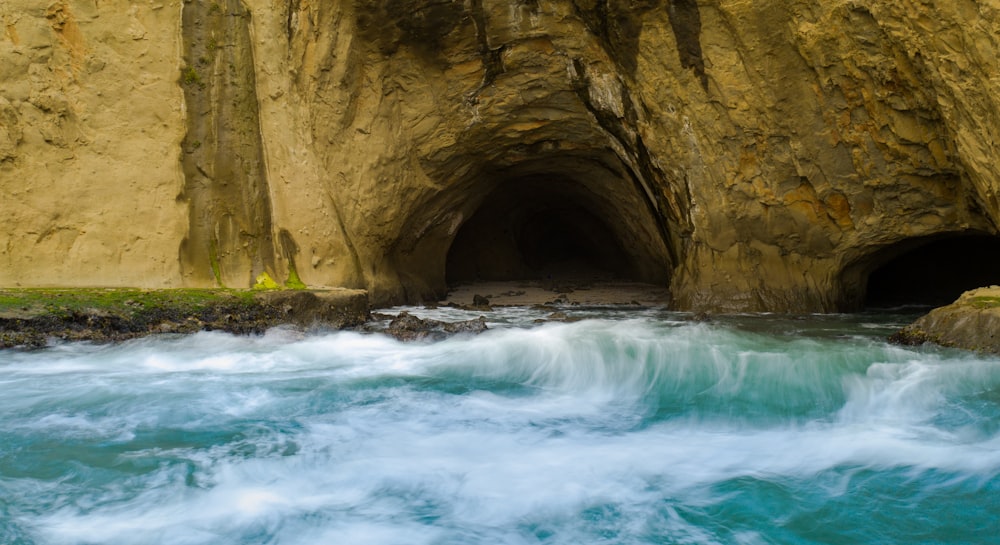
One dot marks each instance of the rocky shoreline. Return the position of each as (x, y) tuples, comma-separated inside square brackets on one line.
[(30, 318)]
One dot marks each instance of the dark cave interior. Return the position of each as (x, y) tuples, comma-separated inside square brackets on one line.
[(933, 272), (562, 231)]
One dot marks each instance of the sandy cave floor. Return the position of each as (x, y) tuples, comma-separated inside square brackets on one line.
[(534, 292)]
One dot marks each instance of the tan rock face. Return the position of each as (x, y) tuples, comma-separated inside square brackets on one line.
[(750, 155), (91, 119)]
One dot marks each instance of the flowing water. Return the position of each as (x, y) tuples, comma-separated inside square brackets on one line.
[(625, 427)]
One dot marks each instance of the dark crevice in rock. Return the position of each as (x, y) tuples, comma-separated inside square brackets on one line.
[(425, 22), (618, 25), (293, 8), (602, 23), (289, 250), (492, 57), (532, 5), (685, 20), (632, 143), (229, 236)]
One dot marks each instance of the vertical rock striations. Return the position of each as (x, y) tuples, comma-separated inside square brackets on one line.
[(230, 236)]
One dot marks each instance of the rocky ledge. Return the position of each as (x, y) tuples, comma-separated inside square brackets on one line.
[(31, 317), (972, 323)]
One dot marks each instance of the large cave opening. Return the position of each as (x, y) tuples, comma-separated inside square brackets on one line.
[(932, 271), (550, 227)]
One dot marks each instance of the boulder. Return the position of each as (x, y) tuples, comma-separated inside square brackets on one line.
[(407, 327), (972, 323)]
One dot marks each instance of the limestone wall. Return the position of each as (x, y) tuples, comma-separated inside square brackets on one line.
[(91, 120), (758, 155)]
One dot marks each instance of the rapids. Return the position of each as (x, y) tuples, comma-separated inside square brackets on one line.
[(624, 427)]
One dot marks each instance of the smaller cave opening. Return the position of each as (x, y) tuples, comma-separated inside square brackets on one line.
[(933, 272), (550, 231)]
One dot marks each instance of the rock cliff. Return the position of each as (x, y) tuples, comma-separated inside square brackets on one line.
[(777, 155)]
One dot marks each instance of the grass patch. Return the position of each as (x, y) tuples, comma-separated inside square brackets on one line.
[(190, 76), (121, 301)]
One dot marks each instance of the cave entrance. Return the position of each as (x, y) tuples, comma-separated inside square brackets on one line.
[(933, 272), (540, 228)]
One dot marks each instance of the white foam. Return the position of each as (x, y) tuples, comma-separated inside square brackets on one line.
[(363, 439)]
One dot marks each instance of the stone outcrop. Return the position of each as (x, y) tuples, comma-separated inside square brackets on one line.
[(762, 155), (971, 323)]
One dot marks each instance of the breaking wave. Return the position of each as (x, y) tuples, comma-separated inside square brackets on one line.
[(612, 429)]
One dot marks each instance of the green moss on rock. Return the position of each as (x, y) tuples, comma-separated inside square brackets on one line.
[(265, 282), (29, 317), (983, 302)]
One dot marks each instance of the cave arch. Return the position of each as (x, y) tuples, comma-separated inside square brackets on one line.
[(929, 271), (555, 213)]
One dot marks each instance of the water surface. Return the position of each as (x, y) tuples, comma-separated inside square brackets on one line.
[(626, 427)]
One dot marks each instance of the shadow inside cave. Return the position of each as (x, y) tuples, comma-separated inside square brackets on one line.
[(558, 235), (932, 272)]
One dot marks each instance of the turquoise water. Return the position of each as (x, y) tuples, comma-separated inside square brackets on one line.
[(626, 427)]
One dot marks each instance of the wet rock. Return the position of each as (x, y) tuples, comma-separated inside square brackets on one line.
[(476, 325), (335, 309), (561, 317), (407, 327), (22, 339), (481, 302)]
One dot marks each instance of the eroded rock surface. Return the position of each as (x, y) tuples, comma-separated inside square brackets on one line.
[(764, 155)]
